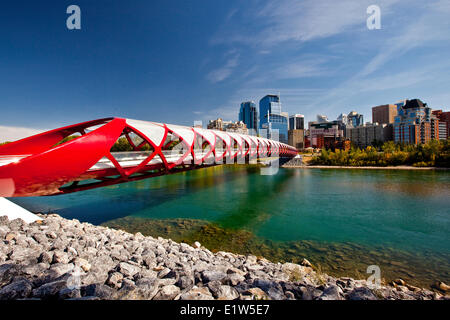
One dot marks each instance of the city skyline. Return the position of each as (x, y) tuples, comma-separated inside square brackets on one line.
[(128, 61)]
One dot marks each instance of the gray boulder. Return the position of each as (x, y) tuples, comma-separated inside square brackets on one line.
[(148, 287), (362, 293), (309, 293), (168, 292), (7, 272), (16, 290), (332, 292), (212, 275), (100, 291), (115, 280), (227, 293), (50, 290), (197, 293), (128, 270), (185, 282)]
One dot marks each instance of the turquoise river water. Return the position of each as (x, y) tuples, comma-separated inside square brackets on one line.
[(340, 220)]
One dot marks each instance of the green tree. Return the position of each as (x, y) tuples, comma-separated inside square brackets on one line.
[(433, 153)]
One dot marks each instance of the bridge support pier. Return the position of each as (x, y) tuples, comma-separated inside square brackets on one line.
[(13, 211)]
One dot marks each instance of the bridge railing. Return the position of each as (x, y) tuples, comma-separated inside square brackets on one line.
[(43, 165)]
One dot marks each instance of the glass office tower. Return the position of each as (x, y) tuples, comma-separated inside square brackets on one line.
[(297, 122), (249, 115), (271, 118)]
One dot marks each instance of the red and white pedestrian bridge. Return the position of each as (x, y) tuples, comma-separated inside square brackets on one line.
[(115, 150)]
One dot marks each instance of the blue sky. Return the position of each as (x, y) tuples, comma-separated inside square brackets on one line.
[(181, 61)]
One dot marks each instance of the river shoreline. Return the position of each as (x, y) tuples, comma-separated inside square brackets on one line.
[(367, 168), (57, 258)]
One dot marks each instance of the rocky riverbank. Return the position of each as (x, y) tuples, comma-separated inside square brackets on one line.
[(58, 258)]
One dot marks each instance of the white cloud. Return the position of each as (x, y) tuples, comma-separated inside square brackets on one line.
[(303, 68), (415, 30), (224, 72), (431, 26), (16, 133), (422, 31), (287, 20)]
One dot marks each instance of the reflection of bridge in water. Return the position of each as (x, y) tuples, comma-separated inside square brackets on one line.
[(42, 165)]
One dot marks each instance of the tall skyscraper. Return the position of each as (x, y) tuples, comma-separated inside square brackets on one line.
[(271, 117), (444, 123), (297, 122), (248, 114), (343, 118), (355, 119), (415, 123), (384, 114), (296, 133)]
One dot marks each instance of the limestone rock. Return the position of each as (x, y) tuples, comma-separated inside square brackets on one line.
[(115, 280), (185, 282), (66, 259), (234, 279), (168, 292), (100, 291), (148, 287), (310, 293), (257, 294), (442, 286), (16, 290), (69, 293), (332, 292), (306, 263), (60, 256), (227, 293), (197, 293), (21, 254), (128, 270), (82, 263), (362, 293), (46, 257), (49, 290), (7, 272), (211, 275)]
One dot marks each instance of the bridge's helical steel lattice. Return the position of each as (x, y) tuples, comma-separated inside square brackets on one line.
[(42, 165)]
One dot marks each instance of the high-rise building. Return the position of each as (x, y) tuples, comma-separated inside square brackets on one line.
[(343, 118), (248, 114), (444, 123), (322, 118), (297, 122), (355, 119), (320, 132), (296, 138), (230, 126), (384, 114), (237, 127), (369, 133), (271, 118), (415, 123), (217, 124), (401, 103)]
